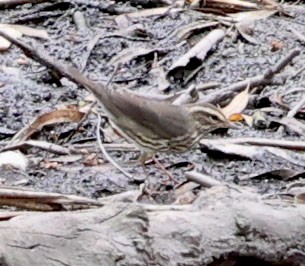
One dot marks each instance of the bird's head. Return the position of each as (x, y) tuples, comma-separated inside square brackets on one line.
[(208, 117)]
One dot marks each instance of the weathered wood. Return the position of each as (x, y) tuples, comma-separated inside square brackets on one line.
[(224, 225)]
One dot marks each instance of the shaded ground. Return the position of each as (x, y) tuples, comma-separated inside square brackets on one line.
[(29, 90)]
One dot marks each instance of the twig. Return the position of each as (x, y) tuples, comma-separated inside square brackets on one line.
[(107, 156), (90, 46), (43, 145), (292, 113), (207, 86), (81, 121), (115, 71), (108, 147), (204, 180), (299, 35), (188, 95), (286, 144), (19, 2), (296, 109), (43, 201), (265, 79), (80, 22), (298, 72), (281, 64)]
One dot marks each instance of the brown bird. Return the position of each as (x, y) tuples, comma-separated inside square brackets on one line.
[(154, 125)]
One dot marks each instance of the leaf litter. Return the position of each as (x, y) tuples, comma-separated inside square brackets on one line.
[(227, 62)]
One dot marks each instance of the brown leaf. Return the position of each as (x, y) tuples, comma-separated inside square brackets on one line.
[(91, 160), (236, 118), (53, 117), (4, 43), (238, 104), (50, 165)]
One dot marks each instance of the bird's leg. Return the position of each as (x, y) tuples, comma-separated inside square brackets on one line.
[(142, 160), (147, 157), (168, 173)]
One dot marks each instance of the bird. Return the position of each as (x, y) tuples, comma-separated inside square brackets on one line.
[(154, 125)]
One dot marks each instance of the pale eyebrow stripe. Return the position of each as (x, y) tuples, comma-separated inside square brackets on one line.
[(204, 109)]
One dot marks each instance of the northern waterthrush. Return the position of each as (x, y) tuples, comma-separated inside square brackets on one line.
[(154, 125)]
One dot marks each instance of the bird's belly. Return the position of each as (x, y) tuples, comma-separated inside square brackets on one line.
[(184, 143), (155, 143)]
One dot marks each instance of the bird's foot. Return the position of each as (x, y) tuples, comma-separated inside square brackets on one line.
[(163, 169)]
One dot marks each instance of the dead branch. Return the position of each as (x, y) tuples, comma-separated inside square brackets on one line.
[(259, 80), (223, 226), (42, 201), (286, 144)]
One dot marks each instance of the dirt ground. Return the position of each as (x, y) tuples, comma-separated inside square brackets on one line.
[(29, 90)]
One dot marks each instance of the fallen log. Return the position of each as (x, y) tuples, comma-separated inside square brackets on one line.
[(223, 226)]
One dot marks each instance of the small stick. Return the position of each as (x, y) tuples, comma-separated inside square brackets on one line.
[(115, 71), (80, 22), (188, 95), (207, 86), (161, 166), (107, 156), (265, 79), (81, 121), (299, 35), (43, 201), (296, 109), (286, 144), (204, 180), (293, 112), (43, 145), (90, 46)]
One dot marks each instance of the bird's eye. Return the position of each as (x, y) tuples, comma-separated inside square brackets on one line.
[(214, 117)]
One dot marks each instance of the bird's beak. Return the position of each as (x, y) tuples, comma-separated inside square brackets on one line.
[(231, 125)]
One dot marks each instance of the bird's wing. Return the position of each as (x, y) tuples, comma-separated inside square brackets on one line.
[(155, 118)]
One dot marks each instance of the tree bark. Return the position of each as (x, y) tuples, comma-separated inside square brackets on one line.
[(223, 226)]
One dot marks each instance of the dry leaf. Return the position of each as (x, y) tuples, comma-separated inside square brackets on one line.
[(14, 159), (193, 28), (236, 118), (197, 53), (53, 117), (250, 16), (238, 104), (246, 31), (4, 43), (227, 4), (28, 31), (248, 119)]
